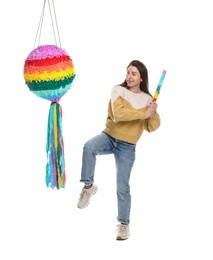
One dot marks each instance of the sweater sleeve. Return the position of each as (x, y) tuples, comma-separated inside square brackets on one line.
[(152, 123)]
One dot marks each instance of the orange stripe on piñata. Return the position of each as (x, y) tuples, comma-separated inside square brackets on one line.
[(54, 75), (50, 68)]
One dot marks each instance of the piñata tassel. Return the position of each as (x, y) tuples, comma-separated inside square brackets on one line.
[(55, 168)]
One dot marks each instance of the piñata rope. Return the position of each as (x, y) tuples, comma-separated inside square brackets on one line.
[(38, 34)]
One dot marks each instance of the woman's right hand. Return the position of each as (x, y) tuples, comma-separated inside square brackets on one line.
[(147, 113), (151, 110)]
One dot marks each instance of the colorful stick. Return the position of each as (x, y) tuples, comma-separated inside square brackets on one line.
[(157, 91)]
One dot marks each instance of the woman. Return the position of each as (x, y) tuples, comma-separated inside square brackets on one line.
[(130, 112)]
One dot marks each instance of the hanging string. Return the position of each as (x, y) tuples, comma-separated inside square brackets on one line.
[(56, 23), (38, 33), (53, 19)]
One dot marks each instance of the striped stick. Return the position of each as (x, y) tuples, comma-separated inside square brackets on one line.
[(157, 91)]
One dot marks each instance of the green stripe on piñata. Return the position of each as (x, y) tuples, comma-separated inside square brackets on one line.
[(49, 85)]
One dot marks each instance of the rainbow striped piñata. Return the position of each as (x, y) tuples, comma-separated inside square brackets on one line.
[(49, 73)]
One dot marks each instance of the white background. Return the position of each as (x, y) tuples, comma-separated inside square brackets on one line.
[(171, 182)]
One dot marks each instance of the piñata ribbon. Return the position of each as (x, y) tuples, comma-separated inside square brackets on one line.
[(55, 168)]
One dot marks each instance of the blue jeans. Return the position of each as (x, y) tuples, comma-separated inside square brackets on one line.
[(124, 154)]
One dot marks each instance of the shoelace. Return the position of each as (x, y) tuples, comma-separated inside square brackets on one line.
[(121, 227), (84, 191)]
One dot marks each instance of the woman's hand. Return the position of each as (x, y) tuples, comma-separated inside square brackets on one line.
[(151, 110)]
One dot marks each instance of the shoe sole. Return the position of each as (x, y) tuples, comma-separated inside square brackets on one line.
[(89, 201), (120, 238)]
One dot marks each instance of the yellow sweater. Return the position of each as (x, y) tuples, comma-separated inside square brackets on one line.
[(125, 120)]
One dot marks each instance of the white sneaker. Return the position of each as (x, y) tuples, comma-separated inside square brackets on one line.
[(85, 196), (122, 232)]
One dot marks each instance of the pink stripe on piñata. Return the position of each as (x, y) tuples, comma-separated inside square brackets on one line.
[(45, 51)]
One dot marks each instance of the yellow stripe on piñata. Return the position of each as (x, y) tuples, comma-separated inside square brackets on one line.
[(54, 75)]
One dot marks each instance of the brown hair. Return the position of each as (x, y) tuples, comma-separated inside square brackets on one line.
[(144, 85)]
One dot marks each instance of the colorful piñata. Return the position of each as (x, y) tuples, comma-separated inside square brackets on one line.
[(49, 73)]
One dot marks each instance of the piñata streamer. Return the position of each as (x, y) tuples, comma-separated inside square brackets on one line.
[(55, 168), (49, 73), (157, 91)]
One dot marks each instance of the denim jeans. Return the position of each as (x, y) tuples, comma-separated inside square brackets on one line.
[(124, 154)]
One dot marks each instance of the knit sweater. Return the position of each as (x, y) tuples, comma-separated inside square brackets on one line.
[(126, 115)]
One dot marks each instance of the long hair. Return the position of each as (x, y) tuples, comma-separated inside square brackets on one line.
[(144, 85)]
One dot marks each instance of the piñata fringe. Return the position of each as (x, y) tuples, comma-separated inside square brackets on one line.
[(55, 168)]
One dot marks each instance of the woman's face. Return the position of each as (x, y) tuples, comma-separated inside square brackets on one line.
[(133, 78)]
